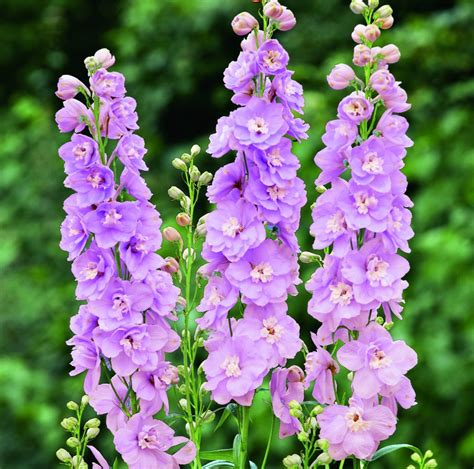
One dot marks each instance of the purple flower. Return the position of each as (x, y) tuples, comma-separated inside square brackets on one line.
[(93, 270), (219, 298), (274, 333), (286, 385), (131, 150), (73, 116), (376, 359), (321, 367), (85, 357), (113, 222), (331, 163), (83, 323), (375, 273), (222, 141), (265, 274), (133, 347), (372, 164), (272, 59), (333, 295), (401, 393), (356, 429), (329, 221), (108, 84), (233, 229), (135, 185), (297, 128), (259, 124), (340, 134), (122, 303), (396, 101), (289, 91), (143, 443), (93, 185), (393, 128), (382, 81), (240, 73), (73, 236), (69, 86), (355, 108), (234, 369), (398, 230), (80, 153), (119, 117), (276, 164), (165, 294), (228, 183)]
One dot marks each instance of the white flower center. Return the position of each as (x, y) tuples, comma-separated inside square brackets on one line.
[(272, 60), (377, 270), (80, 151), (341, 294), (336, 223), (379, 360), (232, 227), (271, 330), (120, 305), (355, 422), (231, 366), (91, 271), (355, 108), (131, 343), (372, 164), (276, 192), (258, 126), (148, 440), (95, 180), (262, 272), (364, 202), (215, 297), (112, 217), (275, 158)]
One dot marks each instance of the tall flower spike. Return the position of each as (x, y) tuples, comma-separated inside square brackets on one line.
[(361, 221), (111, 233)]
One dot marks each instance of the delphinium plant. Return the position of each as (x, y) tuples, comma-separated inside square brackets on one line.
[(212, 323)]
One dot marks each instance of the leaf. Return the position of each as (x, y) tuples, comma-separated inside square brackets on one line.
[(390, 449), (253, 465), (236, 449), (116, 464), (218, 464), (231, 409), (218, 454)]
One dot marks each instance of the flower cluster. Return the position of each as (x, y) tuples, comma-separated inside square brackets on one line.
[(250, 238), (111, 233), (361, 221)]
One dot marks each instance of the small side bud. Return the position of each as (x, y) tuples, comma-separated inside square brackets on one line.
[(179, 164), (385, 23), (358, 6), (182, 389), (92, 423), (316, 410), (92, 433), (303, 436), (175, 193), (373, 4), (171, 266), (208, 416), (291, 461), (415, 457), (73, 442), (431, 463), (195, 173), (429, 454), (185, 203), (323, 444), (84, 400), (69, 423), (307, 257), (186, 157), (63, 455), (244, 23), (321, 189), (71, 405), (195, 150), (350, 376), (171, 234), (379, 320), (205, 178), (324, 458), (183, 219), (384, 11), (183, 403), (388, 325), (189, 253)]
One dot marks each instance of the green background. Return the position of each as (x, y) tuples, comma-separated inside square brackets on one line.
[(173, 53)]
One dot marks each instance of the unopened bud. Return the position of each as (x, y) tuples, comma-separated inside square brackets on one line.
[(71, 405), (183, 403), (179, 164), (316, 410), (175, 193), (171, 234), (181, 303), (186, 157), (92, 433), (307, 257), (92, 423), (69, 423), (358, 7), (195, 150), (182, 389), (385, 23), (205, 178), (373, 4), (201, 230), (313, 422), (296, 413), (292, 460), (185, 203), (208, 416), (302, 436), (294, 404), (431, 463), (202, 390), (321, 189), (78, 462), (171, 266), (388, 325), (324, 458), (73, 442), (411, 466), (273, 9), (384, 11), (200, 342), (323, 444), (189, 253), (84, 400), (63, 455), (372, 32), (183, 219), (429, 454), (350, 376), (379, 320), (415, 457), (244, 23), (195, 173)]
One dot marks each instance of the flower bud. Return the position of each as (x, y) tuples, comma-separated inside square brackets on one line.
[(189, 253), (175, 193), (183, 403), (92, 433), (186, 157), (183, 219), (429, 454), (101, 59), (243, 23), (307, 257), (287, 20), (71, 405), (92, 423), (411, 466), (388, 325), (171, 234), (171, 266), (293, 404), (179, 164), (302, 436), (296, 413), (295, 375), (69, 86), (69, 423), (181, 302), (321, 189), (350, 376), (340, 77), (391, 54), (208, 416), (195, 173), (63, 455), (362, 55), (324, 458), (78, 462), (323, 444), (313, 422), (73, 442), (316, 410), (372, 32), (84, 400), (373, 4), (205, 178), (201, 230), (182, 389), (431, 463), (415, 457), (385, 23), (384, 12), (358, 34), (195, 150), (358, 7), (185, 203), (292, 460), (273, 9), (379, 320)]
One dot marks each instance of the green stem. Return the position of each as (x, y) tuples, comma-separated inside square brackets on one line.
[(244, 432), (341, 465), (269, 443)]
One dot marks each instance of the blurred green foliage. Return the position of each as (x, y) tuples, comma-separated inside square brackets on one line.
[(173, 53)]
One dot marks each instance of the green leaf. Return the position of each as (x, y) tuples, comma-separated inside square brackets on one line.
[(236, 449), (116, 464), (390, 449), (218, 454), (231, 409), (218, 464)]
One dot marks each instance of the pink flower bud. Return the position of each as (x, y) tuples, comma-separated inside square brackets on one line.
[(358, 34), (358, 6), (104, 58), (273, 9), (295, 374), (182, 219), (362, 55), (253, 41), (391, 54), (287, 20), (340, 77), (68, 87), (171, 266), (244, 23), (171, 234), (385, 23), (382, 81), (372, 32)]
